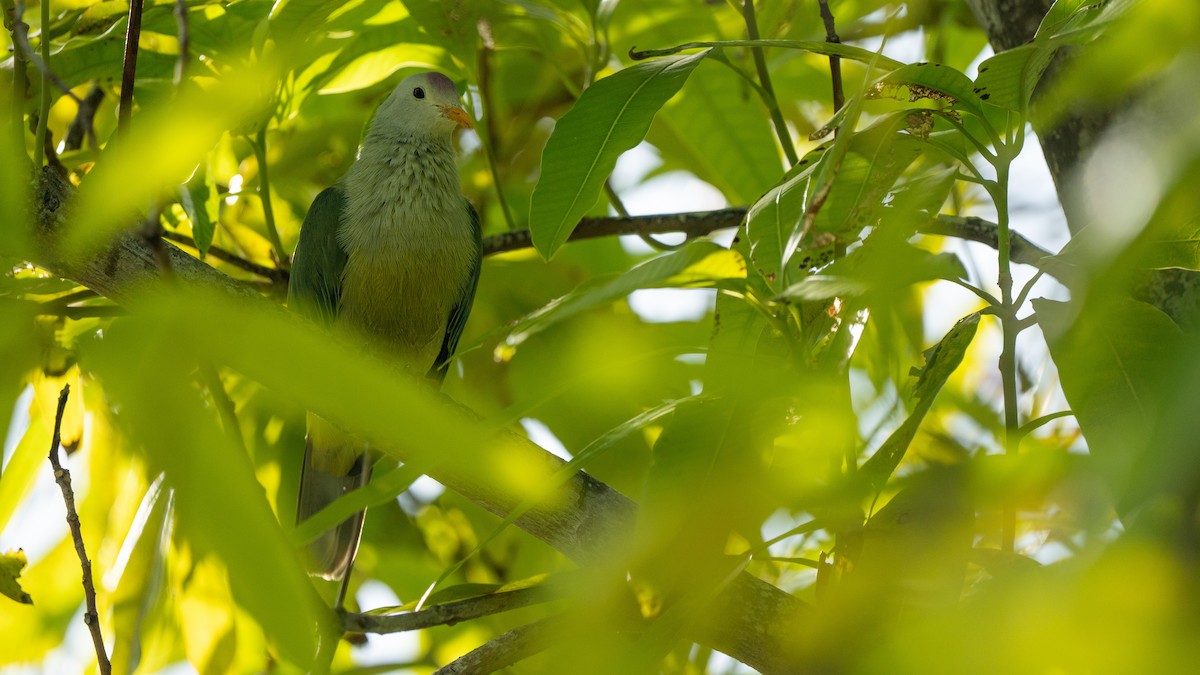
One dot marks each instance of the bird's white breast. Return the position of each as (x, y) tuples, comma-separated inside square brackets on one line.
[(408, 234)]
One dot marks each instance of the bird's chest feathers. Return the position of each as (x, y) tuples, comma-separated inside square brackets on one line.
[(409, 239)]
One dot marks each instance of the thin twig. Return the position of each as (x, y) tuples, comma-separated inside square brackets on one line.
[(133, 34), (83, 125), (275, 274), (264, 195), (835, 62), (764, 77), (505, 650), (691, 225), (491, 145), (447, 614), (63, 478)]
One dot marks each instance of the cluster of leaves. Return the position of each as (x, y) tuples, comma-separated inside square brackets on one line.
[(802, 431)]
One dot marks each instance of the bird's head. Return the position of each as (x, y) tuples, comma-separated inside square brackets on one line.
[(425, 104)]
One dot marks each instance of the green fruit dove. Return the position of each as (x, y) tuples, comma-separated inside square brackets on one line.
[(389, 258)]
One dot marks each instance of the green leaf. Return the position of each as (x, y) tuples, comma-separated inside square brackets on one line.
[(1176, 248), (772, 221), (371, 56), (83, 59), (611, 117), (717, 130), (877, 268), (941, 360), (11, 564), (699, 264), (1115, 360), (936, 82), (1007, 79), (218, 502), (200, 201)]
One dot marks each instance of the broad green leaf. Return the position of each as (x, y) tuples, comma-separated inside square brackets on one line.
[(83, 59), (370, 57), (11, 564), (774, 218), (875, 157), (1007, 80), (1116, 361), (718, 129), (700, 264), (218, 502), (941, 360), (298, 19), (611, 117), (877, 269), (936, 82), (28, 458)]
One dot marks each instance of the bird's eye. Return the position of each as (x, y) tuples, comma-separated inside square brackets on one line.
[(418, 93)]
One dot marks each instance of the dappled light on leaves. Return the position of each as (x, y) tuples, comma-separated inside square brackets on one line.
[(922, 422)]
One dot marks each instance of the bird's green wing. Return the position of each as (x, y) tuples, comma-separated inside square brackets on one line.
[(316, 279), (462, 308)]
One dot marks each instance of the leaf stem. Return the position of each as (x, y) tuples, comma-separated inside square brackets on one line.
[(764, 77), (264, 195)]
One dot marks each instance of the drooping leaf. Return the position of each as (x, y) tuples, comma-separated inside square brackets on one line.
[(11, 564), (611, 117), (941, 360)]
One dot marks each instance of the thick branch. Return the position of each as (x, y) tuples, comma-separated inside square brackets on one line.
[(503, 651)]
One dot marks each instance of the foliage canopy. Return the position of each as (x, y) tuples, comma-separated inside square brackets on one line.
[(872, 444)]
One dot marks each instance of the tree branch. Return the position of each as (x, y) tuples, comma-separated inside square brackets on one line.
[(503, 651), (449, 613), (63, 478)]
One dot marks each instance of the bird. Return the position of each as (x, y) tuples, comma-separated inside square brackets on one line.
[(388, 258)]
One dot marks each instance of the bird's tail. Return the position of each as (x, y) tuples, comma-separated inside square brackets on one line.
[(331, 553)]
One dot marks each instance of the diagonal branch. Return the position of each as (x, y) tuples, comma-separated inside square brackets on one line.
[(503, 651)]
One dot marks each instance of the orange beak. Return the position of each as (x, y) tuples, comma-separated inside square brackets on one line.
[(457, 115)]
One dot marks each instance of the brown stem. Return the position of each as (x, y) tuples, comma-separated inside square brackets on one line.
[(63, 478), (133, 34), (835, 62)]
